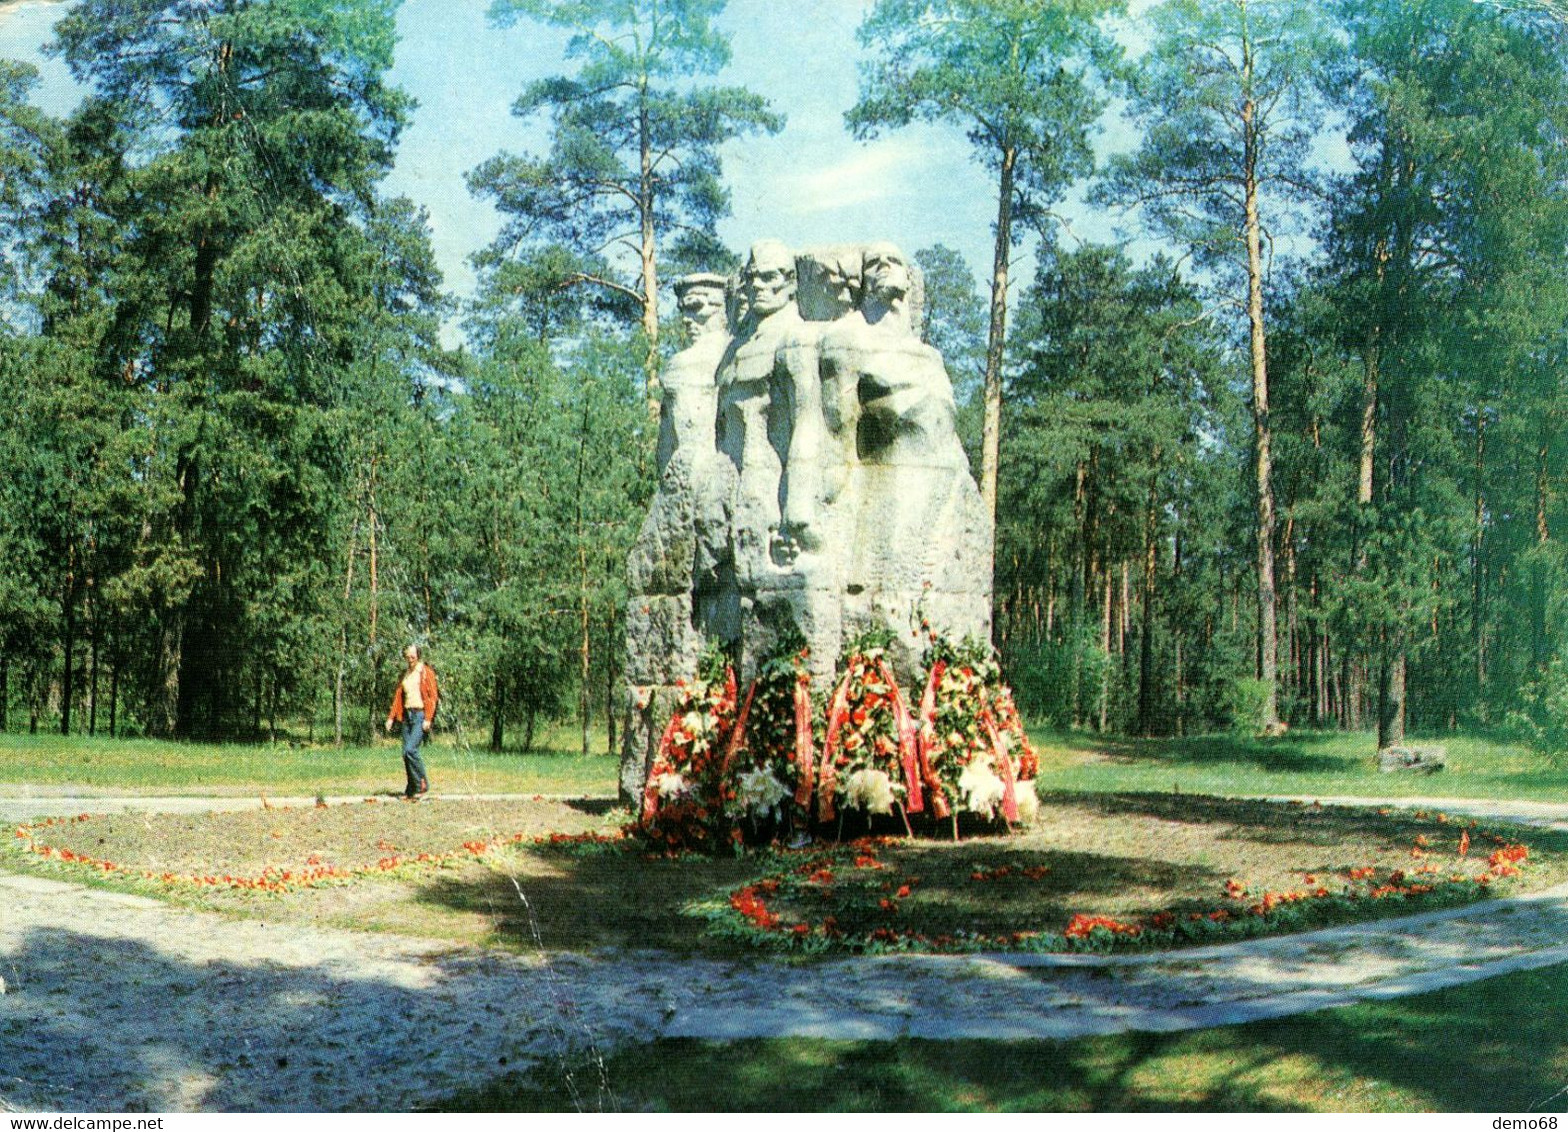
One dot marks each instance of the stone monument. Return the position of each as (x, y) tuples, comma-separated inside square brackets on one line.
[(812, 481)]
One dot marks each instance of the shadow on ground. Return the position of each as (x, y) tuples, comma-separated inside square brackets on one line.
[(1294, 754), (557, 899), (1309, 824), (108, 1025), (1494, 1046)]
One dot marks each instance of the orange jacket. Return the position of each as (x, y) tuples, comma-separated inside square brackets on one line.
[(427, 692)]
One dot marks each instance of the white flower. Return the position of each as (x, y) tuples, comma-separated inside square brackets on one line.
[(671, 786), (981, 788), (757, 791), (869, 790)]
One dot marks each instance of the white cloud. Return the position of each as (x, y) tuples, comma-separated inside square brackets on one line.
[(876, 173)]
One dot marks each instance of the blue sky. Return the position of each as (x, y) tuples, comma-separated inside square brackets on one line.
[(811, 183)]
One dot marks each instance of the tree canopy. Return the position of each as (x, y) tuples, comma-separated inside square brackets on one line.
[(1294, 452)]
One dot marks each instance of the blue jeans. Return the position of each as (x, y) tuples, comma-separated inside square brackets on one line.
[(413, 765)]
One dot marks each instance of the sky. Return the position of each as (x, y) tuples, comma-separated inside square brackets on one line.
[(811, 183)]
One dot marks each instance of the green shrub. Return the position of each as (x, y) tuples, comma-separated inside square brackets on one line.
[(1246, 700)]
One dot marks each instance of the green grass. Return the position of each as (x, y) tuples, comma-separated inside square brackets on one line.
[(149, 766), (1311, 764), (1493, 1046)]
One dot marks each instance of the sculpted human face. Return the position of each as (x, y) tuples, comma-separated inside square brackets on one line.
[(770, 283), (840, 281), (702, 311), (886, 272)]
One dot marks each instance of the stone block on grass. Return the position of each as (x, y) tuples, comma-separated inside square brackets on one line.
[(1420, 760)]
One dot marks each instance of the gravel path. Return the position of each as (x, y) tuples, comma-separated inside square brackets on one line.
[(115, 1002)]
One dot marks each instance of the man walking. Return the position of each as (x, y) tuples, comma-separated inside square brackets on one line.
[(414, 706)]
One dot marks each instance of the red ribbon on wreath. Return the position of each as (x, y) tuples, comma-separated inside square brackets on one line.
[(1009, 795), (737, 735), (650, 791), (925, 737), (908, 756), (838, 709), (805, 751)]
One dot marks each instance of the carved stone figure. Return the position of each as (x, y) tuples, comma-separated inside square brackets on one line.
[(672, 568), (752, 430), (921, 541), (690, 395), (812, 480)]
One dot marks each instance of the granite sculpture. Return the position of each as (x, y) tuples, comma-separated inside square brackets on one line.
[(811, 481)]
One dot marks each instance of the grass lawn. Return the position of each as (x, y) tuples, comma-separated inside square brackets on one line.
[(1310, 764), (150, 766), (1492, 1046), (1158, 861), (1302, 763)]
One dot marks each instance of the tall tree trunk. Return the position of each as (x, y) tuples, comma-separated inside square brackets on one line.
[(1077, 595), (68, 634), (1293, 661), (1268, 636), (1368, 453), (612, 675), (92, 657), (1105, 649), (498, 712), (991, 434), (1391, 693), (650, 268), (1146, 690), (166, 691), (371, 648), (1540, 594), (114, 689), (1124, 619), (585, 667), (1478, 568), (342, 669)]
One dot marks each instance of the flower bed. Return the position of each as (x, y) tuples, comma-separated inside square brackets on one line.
[(313, 872), (852, 898)]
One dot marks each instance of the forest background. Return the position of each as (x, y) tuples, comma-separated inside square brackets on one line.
[(1255, 310)]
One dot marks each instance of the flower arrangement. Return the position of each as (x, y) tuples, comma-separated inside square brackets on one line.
[(774, 743), (975, 754), (732, 768), (685, 792), (870, 754)]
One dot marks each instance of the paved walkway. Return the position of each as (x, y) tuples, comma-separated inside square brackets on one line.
[(117, 1002)]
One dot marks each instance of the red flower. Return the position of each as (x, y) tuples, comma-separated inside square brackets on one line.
[(1081, 926)]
